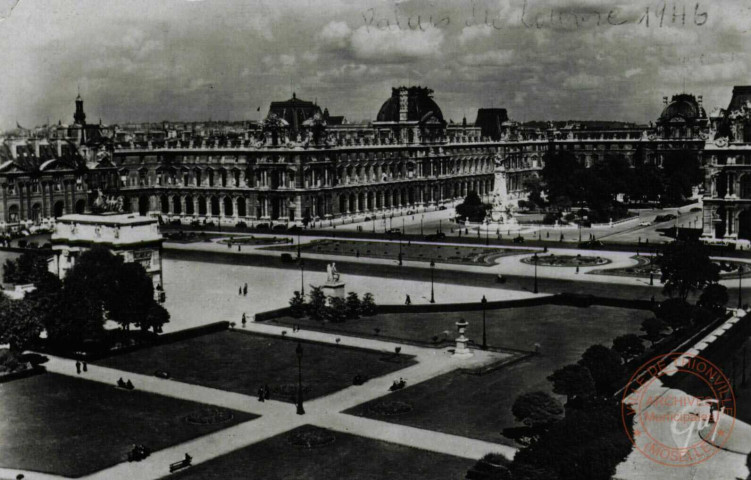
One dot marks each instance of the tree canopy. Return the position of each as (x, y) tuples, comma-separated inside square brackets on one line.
[(537, 409), (573, 381), (686, 267)]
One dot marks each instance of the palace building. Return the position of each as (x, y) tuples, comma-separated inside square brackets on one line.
[(300, 163)]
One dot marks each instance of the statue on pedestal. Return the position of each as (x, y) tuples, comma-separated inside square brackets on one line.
[(332, 274)]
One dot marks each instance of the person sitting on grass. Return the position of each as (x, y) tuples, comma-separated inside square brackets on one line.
[(129, 385), (121, 382)]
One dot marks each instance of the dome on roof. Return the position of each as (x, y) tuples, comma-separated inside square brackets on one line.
[(420, 105), (684, 107)]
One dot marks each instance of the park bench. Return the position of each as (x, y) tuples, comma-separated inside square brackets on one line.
[(184, 463)]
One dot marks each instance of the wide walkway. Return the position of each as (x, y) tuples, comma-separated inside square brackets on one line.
[(279, 417)]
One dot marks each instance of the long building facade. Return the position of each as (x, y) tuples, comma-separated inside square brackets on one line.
[(295, 166)]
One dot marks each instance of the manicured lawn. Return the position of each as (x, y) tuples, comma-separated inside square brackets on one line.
[(421, 252), (241, 363), (348, 457), (479, 406), (556, 328), (71, 427)]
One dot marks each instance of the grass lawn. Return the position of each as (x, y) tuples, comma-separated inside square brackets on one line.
[(348, 457), (72, 427), (240, 362), (479, 406), (464, 255)]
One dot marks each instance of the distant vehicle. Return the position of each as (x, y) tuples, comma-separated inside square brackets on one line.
[(591, 244), (695, 209), (442, 207), (287, 258), (435, 236), (262, 226), (394, 232), (645, 223), (281, 226), (519, 239), (294, 228), (665, 218)]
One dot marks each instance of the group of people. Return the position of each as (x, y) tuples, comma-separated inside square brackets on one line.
[(398, 385), (243, 290), (80, 366), (138, 453), (126, 385), (264, 393)]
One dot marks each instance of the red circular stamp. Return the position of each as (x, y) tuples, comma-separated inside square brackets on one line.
[(678, 409)]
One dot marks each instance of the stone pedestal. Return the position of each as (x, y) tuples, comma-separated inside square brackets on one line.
[(462, 351), (333, 289)]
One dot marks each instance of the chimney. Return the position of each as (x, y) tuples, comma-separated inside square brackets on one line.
[(403, 104)]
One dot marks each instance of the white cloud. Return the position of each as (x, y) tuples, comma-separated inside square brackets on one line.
[(392, 44), (336, 34), (473, 32), (492, 58), (583, 81), (631, 72)]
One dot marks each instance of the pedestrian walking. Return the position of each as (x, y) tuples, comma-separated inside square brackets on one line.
[(239, 248), (261, 395), (240, 291), (85, 367), (408, 301), (78, 367), (245, 290), (243, 320), (266, 392)]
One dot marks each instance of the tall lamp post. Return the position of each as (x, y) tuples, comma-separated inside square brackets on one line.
[(484, 302), (432, 291), (302, 277), (298, 244), (740, 292), (298, 351), (423, 216), (535, 260)]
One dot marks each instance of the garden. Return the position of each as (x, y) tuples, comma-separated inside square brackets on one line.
[(72, 427), (312, 453), (553, 260), (420, 252), (241, 362), (253, 240), (458, 402)]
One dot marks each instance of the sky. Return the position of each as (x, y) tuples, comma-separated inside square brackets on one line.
[(183, 60)]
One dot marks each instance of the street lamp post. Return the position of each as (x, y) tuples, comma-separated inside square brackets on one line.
[(421, 224), (535, 259), (432, 291), (298, 351), (298, 244), (484, 302), (740, 292), (302, 277)]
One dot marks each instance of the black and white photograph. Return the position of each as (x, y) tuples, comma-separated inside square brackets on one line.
[(375, 239)]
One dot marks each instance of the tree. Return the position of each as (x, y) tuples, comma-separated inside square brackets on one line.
[(27, 268), (653, 328), (628, 346), (155, 319), (368, 305), (297, 305), (537, 409), (133, 297), (353, 305), (19, 325), (573, 381), (559, 174), (605, 367), (686, 267), (714, 297), (336, 312), (533, 185), (472, 208), (316, 307), (675, 312), (584, 444)]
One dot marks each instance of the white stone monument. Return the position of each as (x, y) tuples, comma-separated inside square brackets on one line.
[(462, 351), (501, 210), (333, 287)]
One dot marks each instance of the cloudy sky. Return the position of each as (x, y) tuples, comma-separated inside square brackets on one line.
[(154, 60)]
